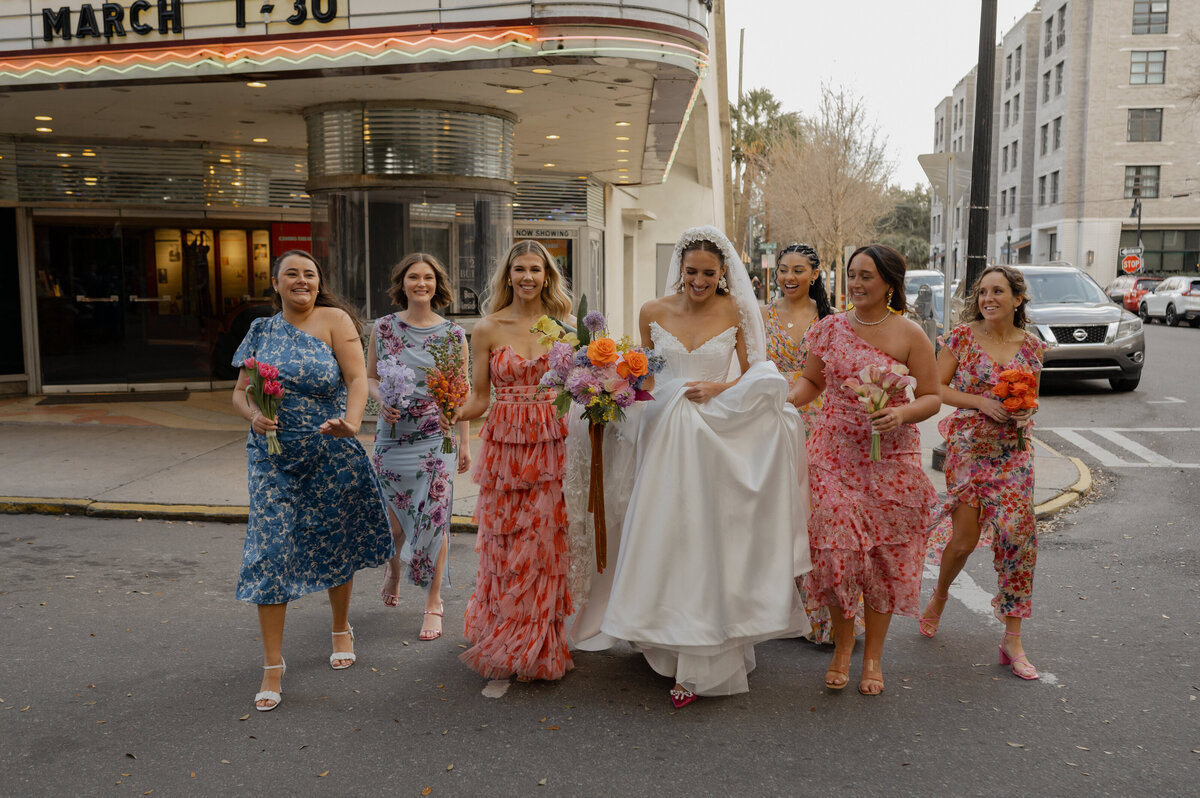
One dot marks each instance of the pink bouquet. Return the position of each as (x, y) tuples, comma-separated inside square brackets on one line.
[(875, 386), (267, 391)]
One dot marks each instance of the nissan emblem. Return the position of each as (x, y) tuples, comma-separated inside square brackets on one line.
[(1079, 335)]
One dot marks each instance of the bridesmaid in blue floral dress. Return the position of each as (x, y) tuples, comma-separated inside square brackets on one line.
[(416, 477), (316, 514)]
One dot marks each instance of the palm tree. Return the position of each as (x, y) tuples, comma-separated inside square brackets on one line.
[(757, 120)]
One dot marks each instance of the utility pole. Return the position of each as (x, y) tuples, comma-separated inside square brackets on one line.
[(981, 154)]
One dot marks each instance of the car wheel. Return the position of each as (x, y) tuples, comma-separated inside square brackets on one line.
[(1125, 385), (1144, 312), (1169, 318)]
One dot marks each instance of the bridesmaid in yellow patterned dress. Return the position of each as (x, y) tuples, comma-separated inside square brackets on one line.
[(802, 301)]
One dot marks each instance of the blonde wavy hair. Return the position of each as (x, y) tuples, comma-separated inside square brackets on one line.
[(555, 297)]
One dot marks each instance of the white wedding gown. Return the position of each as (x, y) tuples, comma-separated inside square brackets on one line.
[(715, 528)]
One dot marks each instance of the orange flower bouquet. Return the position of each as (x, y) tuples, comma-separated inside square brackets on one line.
[(1017, 390), (446, 381)]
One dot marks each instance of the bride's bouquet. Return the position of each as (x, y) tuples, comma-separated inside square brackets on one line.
[(602, 376)]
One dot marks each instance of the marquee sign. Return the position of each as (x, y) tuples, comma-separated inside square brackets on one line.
[(117, 20)]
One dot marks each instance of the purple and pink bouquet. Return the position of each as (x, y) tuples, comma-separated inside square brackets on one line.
[(267, 390), (875, 386), (397, 383)]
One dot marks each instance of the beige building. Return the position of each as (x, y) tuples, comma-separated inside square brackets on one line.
[(1092, 115), (155, 157)]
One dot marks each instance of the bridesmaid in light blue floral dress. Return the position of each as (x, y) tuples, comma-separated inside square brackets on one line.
[(316, 513), (417, 478)]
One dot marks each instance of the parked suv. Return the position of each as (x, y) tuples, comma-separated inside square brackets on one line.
[(1117, 288), (1175, 299), (1089, 337)]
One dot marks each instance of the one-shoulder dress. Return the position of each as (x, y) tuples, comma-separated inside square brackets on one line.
[(515, 618), (316, 513)]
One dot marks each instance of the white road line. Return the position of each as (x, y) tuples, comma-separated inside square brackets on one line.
[(1166, 400), (1099, 452), (1123, 429), (974, 598), (496, 688), (1149, 455)]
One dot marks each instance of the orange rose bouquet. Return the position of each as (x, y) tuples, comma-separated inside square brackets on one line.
[(1017, 390), (446, 381), (603, 376)]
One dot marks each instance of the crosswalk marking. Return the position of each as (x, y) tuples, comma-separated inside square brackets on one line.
[(1131, 453)]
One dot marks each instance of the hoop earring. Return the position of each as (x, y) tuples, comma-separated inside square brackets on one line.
[(723, 284)]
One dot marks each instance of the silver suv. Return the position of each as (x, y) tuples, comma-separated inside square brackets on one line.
[(1089, 337)]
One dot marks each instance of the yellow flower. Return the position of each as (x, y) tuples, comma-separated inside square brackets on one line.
[(572, 339)]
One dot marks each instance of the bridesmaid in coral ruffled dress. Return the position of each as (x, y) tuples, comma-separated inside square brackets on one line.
[(515, 616)]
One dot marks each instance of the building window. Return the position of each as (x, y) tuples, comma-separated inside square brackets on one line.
[(1006, 109), (1147, 66), (1057, 132), (1041, 191), (1004, 203), (1150, 16), (1062, 25), (1017, 63), (1046, 87), (1058, 78), (1008, 71), (1004, 159), (1145, 124), (1014, 153), (1012, 202), (1048, 47), (1045, 138), (1054, 188), (957, 216), (1141, 181)]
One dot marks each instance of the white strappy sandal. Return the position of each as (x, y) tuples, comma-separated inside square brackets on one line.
[(346, 655), (271, 695)]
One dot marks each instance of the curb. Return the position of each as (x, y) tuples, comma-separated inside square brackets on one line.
[(1069, 496), (36, 505)]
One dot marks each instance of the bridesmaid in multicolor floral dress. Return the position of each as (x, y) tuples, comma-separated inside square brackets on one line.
[(802, 301), (516, 616), (869, 518), (417, 478), (989, 475)]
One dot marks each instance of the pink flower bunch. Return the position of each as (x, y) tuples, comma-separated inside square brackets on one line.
[(266, 389), (874, 387)]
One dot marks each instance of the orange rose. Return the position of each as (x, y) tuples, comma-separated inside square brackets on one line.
[(633, 364), (1029, 402), (602, 352), (1012, 404), (1002, 389)]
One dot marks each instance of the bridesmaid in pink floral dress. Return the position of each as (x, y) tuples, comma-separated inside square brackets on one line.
[(515, 617), (989, 475), (869, 519)]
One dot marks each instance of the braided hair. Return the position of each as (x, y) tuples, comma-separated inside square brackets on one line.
[(816, 291)]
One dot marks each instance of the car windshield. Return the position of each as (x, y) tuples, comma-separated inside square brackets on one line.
[(1067, 287), (913, 282)]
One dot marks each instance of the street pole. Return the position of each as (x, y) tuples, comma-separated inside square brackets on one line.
[(1008, 247), (981, 154)]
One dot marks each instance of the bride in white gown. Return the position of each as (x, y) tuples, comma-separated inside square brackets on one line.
[(714, 533)]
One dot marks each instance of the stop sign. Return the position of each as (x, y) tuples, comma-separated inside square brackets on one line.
[(1131, 264)]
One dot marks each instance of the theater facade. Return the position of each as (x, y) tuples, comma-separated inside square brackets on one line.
[(156, 155)]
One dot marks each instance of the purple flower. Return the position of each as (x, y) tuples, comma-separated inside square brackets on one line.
[(439, 516), (550, 379), (582, 384), (624, 397), (403, 500), (431, 463), (581, 358), (561, 357), (397, 382), (594, 321), (439, 488)]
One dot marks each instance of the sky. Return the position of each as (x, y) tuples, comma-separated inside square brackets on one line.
[(900, 56)]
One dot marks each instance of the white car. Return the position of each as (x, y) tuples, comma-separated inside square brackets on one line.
[(1173, 300), (915, 278)]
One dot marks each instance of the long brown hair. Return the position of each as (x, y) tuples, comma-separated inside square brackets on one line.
[(1016, 282), (554, 295), (442, 295), (326, 296)]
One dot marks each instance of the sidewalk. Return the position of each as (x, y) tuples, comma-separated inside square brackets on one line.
[(186, 460)]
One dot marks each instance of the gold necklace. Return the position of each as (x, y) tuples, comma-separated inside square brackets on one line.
[(996, 340)]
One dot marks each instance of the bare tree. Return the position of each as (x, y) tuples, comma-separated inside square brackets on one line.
[(829, 185)]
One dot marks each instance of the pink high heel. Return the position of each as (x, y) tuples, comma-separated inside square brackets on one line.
[(1021, 666), (929, 626), (681, 697)]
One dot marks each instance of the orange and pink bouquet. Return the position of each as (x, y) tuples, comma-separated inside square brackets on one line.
[(1017, 390), (446, 381)]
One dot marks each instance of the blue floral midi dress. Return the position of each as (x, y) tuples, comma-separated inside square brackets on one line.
[(316, 512), (416, 477)]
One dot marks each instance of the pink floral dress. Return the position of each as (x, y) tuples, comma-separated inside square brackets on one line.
[(869, 519), (515, 618), (790, 358), (986, 469)]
